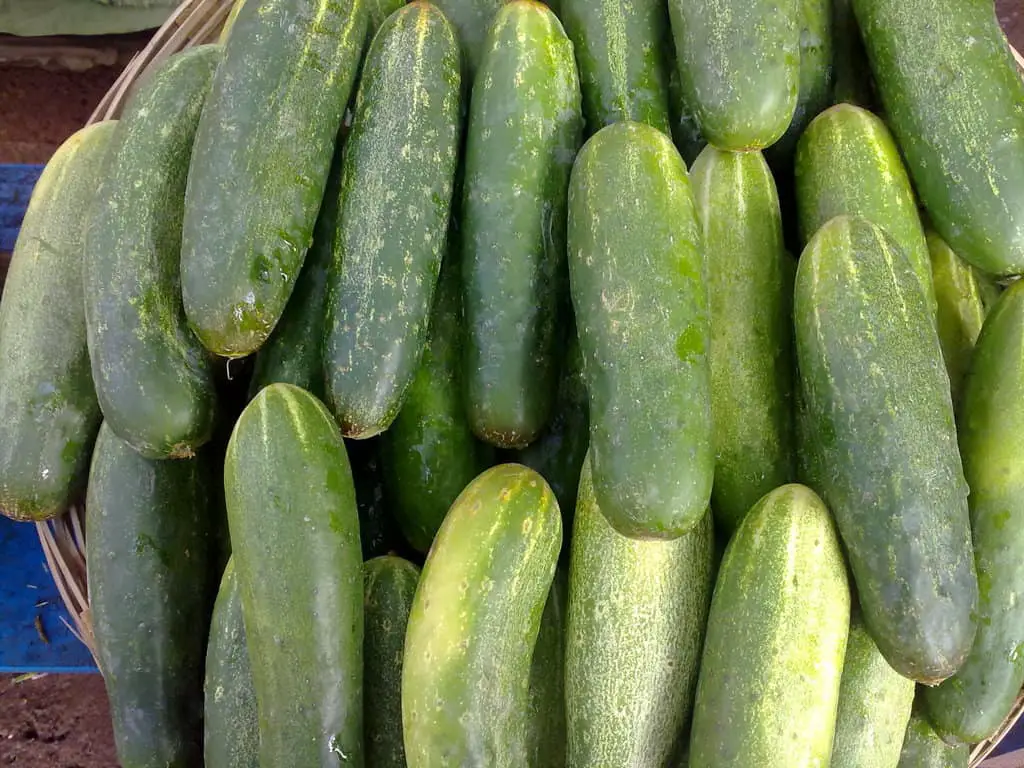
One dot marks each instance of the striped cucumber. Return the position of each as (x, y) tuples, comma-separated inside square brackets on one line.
[(922, 747), (378, 11), (545, 727)]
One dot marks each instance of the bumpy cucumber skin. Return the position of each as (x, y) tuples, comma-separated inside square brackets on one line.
[(739, 65), (972, 704), (922, 747), (153, 378), (398, 173), (880, 419), (49, 414), (472, 19), (475, 621), (781, 610), (292, 512), (147, 543), (525, 126), (639, 292), (955, 101), (545, 727), (749, 294), (260, 162), (637, 611)]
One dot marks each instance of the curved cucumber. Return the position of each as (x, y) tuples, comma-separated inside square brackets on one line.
[(475, 620), (545, 727), (49, 414), (636, 271), (922, 748), (472, 19)]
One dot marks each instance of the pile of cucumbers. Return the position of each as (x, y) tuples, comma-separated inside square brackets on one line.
[(444, 387)]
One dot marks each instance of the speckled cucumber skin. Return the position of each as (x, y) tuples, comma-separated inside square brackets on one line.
[(972, 704), (304, 626), (847, 164), (153, 378), (620, 49), (390, 584), (260, 162), (49, 414), (749, 294), (739, 64), (637, 611), (378, 11), (398, 172), (880, 418), (545, 727), (524, 129), (874, 706), (955, 101), (475, 620), (147, 542), (922, 748), (783, 603), (472, 20), (852, 73), (636, 269), (231, 723)]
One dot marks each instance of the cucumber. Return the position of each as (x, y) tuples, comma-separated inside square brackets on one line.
[(524, 130), (545, 734), (378, 11), (847, 164), (637, 611), (881, 420), (874, 706), (260, 161), (623, 54), (852, 73), (739, 64), (953, 97), (749, 292), (972, 704), (377, 531), (472, 19), (922, 748), (398, 171), (685, 130), (48, 409), (147, 544), (781, 610), (635, 245), (390, 583), (231, 725), (295, 533), (475, 620), (153, 378)]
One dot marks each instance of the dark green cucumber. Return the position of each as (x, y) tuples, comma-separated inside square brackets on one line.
[(874, 706), (781, 610), (880, 419), (955, 101), (475, 620), (378, 11), (147, 543), (390, 584), (749, 292), (685, 130), (377, 531), (430, 454), (637, 611), (622, 52), (545, 728), (922, 748), (398, 172), (739, 64), (524, 130), (260, 162), (472, 19), (637, 274), (295, 537), (48, 409), (231, 724), (972, 704), (153, 378), (852, 73)]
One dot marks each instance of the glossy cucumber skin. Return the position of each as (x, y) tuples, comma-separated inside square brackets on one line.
[(749, 292), (475, 620), (972, 704), (545, 734), (524, 129), (260, 162), (398, 173), (147, 527), (472, 19), (922, 747), (153, 378), (880, 417), (49, 414), (635, 243), (781, 610), (955, 101), (637, 611), (292, 512), (739, 65)]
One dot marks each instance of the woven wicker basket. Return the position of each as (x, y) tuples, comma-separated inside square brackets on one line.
[(193, 23)]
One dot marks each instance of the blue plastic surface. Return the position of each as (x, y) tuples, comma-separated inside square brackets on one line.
[(16, 184)]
